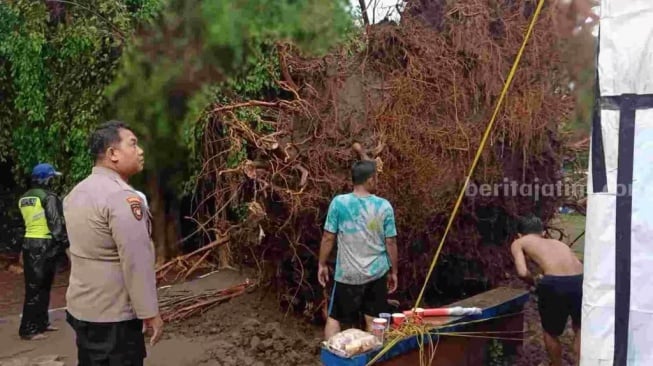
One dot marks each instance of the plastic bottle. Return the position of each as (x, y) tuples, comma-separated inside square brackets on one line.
[(388, 318), (378, 329)]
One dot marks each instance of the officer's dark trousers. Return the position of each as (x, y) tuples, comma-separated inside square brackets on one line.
[(39, 271), (109, 344)]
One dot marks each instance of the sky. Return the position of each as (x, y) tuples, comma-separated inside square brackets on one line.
[(382, 8), (385, 6)]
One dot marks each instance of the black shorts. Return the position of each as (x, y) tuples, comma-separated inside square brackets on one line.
[(349, 301), (109, 344), (560, 297)]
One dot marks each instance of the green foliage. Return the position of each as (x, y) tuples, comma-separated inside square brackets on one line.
[(139, 93), (235, 25), (22, 43), (53, 71), (144, 10), (196, 53), (240, 212), (496, 355), (258, 74), (237, 156), (253, 118), (192, 129)]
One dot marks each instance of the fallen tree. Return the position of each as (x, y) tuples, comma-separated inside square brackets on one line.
[(417, 97)]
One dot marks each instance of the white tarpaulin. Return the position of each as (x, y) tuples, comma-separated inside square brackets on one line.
[(617, 323)]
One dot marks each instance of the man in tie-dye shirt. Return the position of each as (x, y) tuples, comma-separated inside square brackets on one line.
[(366, 264)]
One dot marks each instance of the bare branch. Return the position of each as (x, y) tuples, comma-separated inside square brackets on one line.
[(366, 18), (376, 4)]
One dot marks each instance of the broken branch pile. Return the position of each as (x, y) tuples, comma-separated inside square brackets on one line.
[(417, 97), (182, 305), (185, 265)]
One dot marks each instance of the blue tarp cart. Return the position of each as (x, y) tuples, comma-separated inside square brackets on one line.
[(502, 312)]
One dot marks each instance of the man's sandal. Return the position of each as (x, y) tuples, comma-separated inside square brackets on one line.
[(50, 328)]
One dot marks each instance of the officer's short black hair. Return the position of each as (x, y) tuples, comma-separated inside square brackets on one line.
[(530, 224), (362, 170), (104, 136)]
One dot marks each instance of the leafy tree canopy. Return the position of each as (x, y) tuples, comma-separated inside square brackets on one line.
[(56, 58)]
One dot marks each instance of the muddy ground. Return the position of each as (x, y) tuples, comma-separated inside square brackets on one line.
[(12, 290), (252, 331), (268, 338), (248, 330)]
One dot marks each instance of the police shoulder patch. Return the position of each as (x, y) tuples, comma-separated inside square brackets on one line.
[(136, 206)]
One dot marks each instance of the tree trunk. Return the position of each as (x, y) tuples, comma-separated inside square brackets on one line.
[(366, 19), (224, 253), (171, 249), (157, 207)]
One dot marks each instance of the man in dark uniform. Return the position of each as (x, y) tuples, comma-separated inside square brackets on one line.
[(45, 240), (112, 296)]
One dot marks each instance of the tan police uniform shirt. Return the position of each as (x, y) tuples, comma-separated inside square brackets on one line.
[(112, 277)]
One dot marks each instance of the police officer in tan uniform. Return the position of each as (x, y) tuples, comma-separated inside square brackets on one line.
[(111, 298)]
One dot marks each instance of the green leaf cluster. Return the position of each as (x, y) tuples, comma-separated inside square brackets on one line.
[(54, 66), (236, 25)]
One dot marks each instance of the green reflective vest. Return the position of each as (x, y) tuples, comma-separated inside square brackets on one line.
[(36, 224)]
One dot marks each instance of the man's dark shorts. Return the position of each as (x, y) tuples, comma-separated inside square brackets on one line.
[(560, 297), (349, 301)]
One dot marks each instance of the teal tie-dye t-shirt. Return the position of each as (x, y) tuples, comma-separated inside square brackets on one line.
[(361, 225)]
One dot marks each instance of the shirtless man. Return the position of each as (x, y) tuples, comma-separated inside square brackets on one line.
[(559, 289)]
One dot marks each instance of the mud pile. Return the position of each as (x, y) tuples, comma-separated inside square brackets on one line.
[(252, 331), (259, 344)]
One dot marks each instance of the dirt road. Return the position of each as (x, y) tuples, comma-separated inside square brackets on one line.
[(12, 291), (249, 330)]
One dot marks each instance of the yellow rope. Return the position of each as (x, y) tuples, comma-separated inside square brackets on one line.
[(480, 336), (480, 148), (479, 151)]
